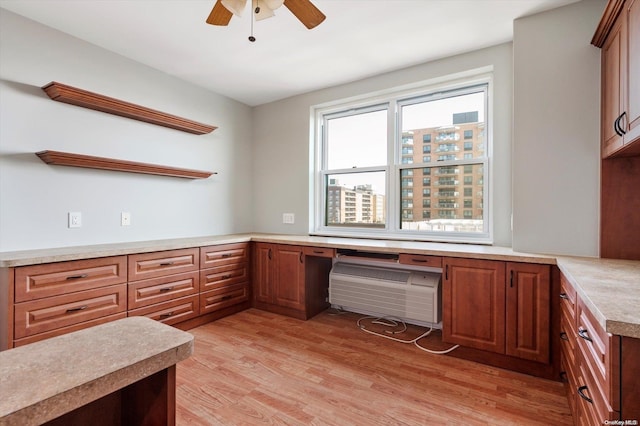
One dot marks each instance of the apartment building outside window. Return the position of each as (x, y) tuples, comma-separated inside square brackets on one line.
[(371, 157)]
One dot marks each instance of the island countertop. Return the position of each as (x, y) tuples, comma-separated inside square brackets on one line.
[(44, 380)]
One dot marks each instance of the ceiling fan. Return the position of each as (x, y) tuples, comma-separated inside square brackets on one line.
[(304, 10)]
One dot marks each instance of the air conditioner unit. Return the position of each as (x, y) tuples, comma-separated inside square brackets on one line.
[(414, 296)]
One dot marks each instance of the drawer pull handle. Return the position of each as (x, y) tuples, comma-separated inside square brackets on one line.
[(226, 297), (583, 333), (226, 255), (419, 260), (165, 289), (318, 251), (564, 336), (563, 377), (166, 264), (77, 277), (76, 309), (226, 277), (564, 296), (583, 396), (167, 315)]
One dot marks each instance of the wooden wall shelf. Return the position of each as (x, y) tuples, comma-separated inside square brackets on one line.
[(77, 160), (74, 96)]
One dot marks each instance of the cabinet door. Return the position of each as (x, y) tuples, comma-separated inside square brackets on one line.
[(528, 311), (612, 99), (473, 304), (289, 277), (632, 120), (262, 275)]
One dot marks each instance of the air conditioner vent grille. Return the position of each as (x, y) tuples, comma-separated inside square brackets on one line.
[(372, 272)]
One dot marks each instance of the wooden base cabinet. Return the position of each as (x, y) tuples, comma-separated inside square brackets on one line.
[(600, 370), (282, 281), (498, 307), (184, 288)]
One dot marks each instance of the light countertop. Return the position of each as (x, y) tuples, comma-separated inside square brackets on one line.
[(46, 379), (610, 288)]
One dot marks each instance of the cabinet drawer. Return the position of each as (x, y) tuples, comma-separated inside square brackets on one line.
[(320, 252), (568, 337), (570, 379), (69, 329), (567, 297), (212, 278), (52, 279), (39, 316), (214, 300), (420, 260), (158, 264), (156, 290), (591, 400), (171, 312), (226, 254)]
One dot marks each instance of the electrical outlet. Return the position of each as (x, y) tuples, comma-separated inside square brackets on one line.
[(288, 218), (125, 219), (75, 219)]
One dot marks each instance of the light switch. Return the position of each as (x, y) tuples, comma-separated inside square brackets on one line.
[(288, 218)]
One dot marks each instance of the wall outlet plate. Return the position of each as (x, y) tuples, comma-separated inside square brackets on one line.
[(125, 219), (288, 218), (75, 219)]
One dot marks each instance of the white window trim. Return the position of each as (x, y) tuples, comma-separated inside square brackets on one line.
[(394, 98)]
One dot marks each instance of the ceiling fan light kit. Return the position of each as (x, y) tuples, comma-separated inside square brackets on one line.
[(304, 10)]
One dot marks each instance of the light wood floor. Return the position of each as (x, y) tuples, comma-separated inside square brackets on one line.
[(255, 368)]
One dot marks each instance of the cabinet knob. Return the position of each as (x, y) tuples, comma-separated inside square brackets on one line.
[(583, 333), (563, 377), (564, 296), (617, 127), (77, 277), (581, 390)]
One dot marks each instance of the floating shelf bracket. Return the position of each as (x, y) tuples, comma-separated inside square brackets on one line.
[(77, 160), (74, 96)]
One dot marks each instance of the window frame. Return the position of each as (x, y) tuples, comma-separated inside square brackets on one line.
[(393, 100)]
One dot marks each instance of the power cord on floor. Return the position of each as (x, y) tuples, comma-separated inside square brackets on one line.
[(389, 321)]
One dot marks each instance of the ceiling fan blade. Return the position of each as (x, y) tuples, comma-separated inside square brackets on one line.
[(306, 12), (219, 15)]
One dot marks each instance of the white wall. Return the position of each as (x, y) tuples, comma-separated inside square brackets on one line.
[(35, 197), (282, 140), (556, 131)]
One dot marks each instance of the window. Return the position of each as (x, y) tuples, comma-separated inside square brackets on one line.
[(368, 166)]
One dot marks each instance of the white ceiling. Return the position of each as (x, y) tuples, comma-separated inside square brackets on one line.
[(359, 38)]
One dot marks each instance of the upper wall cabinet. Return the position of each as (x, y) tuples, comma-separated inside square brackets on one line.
[(618, 34), (74, 96)]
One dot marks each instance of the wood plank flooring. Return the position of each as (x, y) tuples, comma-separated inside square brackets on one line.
[(256, 368)]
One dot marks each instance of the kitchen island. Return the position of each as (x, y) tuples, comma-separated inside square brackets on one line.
[(122, 372)]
